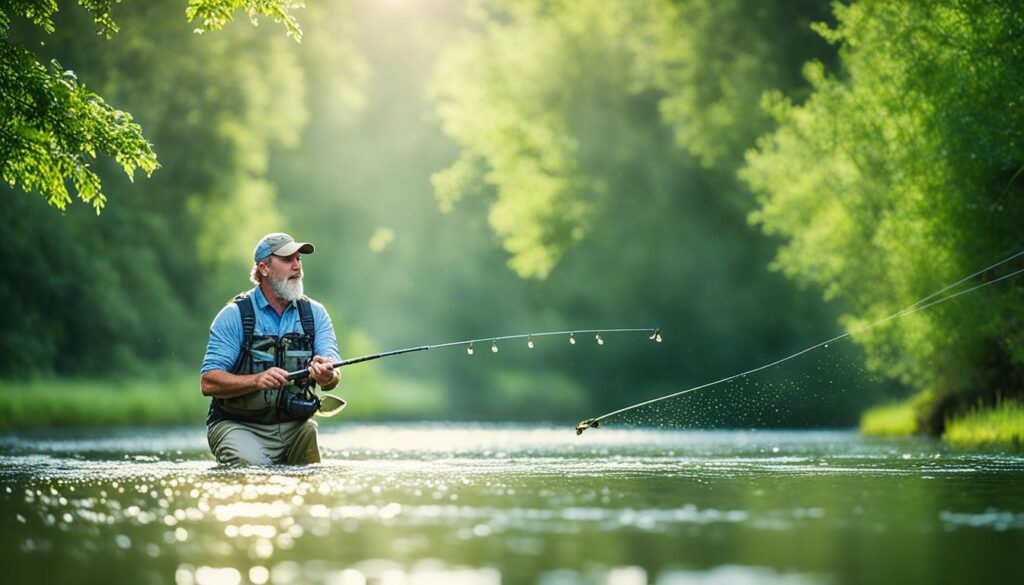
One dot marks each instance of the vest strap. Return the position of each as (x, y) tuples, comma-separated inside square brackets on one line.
[(248, 316), (306, 317)]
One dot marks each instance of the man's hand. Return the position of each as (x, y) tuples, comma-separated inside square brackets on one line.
[(321, 370), (221, 384), (272, 378)]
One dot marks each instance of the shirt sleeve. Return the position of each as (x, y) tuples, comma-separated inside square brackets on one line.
[(225, 340), (326, 343)]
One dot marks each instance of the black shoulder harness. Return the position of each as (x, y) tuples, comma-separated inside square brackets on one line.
[(248, 315)]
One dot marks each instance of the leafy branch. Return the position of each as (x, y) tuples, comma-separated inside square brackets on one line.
[(52, 125)]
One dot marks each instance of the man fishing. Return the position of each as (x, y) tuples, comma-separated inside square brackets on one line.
[(257, 415)]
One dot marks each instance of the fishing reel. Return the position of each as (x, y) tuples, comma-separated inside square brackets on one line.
[(301, 407)]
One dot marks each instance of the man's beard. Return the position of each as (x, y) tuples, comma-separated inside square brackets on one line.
[(286, 289)]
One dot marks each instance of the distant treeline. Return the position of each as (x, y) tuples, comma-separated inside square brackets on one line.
[(503, 167)]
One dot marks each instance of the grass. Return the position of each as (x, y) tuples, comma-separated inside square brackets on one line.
[(175, 399), (998, 426), (890, 420), (170, 400)]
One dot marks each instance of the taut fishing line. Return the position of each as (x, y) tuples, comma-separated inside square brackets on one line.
[(917, 306)]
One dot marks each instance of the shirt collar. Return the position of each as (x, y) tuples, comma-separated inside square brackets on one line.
[(262, 302)]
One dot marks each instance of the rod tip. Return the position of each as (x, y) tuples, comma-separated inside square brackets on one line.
[(586, 424)]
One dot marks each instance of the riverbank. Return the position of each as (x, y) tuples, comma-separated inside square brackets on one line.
[(175, 399), (1001, 425)]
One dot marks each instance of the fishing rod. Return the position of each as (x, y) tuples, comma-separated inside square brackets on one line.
[(655, 336), (920, 305)]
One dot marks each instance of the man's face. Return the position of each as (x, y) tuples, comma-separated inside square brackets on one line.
[(285, 276), (287, 266)]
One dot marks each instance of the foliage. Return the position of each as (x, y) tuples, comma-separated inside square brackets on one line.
[(1001, 425), (896, 419), (139, 284), (171, 400), (506, 107), (510, 95), (896, 178), (216, 14), (558, 109), (712, 60), (53, 125)]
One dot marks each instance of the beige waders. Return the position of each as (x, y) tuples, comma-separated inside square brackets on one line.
[(244, 443)]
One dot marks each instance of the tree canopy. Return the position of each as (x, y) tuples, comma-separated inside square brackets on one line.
[(898, 175), (54, 125)]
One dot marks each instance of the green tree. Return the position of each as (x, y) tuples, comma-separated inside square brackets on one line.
[(897, 177), (559, 112), (53, 125), (713, 59), (137, 285), (508, 103)]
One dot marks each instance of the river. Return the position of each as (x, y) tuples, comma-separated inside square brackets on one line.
[(423, 504)]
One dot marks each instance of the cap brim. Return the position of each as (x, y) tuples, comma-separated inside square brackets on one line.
[(293, 247)]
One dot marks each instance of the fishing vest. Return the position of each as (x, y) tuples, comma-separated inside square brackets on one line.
[(291, 352)]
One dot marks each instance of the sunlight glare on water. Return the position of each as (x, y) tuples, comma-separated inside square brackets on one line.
[(509, 504)]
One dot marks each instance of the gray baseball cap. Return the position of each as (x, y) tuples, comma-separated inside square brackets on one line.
[(280, 244)]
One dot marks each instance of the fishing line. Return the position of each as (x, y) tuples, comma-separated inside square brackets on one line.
[(917, 306), (468, 343)]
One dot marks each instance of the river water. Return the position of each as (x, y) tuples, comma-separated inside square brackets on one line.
[(399, 504)]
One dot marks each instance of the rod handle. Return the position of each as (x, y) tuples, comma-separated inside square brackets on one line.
[(300, 374)]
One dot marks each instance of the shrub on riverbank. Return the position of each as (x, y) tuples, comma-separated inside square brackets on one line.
[(890, 420), (1001, 425)]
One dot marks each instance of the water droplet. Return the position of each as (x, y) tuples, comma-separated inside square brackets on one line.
[(259, 575), (572, 339)]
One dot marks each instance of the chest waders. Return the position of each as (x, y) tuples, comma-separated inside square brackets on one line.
[(291, 351)]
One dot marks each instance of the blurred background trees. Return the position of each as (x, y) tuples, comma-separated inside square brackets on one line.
[(475, 168)]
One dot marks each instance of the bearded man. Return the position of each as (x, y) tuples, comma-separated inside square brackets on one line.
[(257, 416)]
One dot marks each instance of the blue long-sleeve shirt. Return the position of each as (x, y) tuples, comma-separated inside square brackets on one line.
[(226, 331)]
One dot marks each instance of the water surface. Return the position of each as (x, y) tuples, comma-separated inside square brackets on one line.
[(511, 504)]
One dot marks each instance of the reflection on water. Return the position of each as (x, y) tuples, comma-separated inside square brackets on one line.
[(485, 504)]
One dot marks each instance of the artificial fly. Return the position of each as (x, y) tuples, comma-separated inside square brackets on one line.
[(918, 306)]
